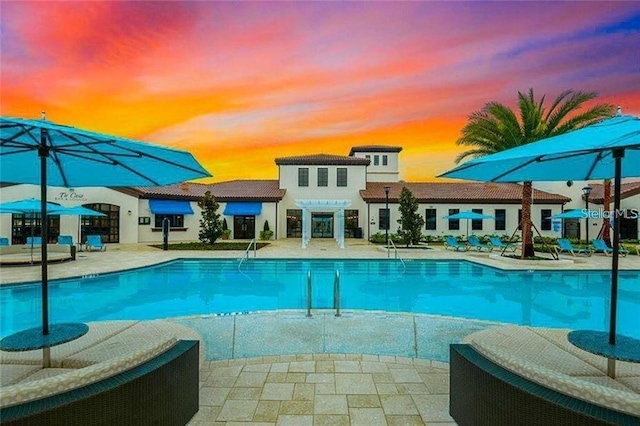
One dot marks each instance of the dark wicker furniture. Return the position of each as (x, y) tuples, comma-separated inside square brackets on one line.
[(162, 391), (483, 393)]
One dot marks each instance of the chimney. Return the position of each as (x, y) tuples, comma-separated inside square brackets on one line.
[(184, 186)]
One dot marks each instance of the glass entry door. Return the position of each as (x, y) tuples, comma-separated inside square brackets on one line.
[(322, 225), (244, 227)]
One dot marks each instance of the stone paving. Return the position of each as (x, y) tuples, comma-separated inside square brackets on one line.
[(324, 389)]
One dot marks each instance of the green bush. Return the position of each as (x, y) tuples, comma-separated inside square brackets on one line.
[(266, 234)]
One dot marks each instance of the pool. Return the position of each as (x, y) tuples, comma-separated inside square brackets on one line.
[(568, 299)]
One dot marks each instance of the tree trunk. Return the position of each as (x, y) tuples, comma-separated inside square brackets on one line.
[(525, 224), (606, 206)]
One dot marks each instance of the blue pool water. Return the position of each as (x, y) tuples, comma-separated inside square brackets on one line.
[(570, 299)]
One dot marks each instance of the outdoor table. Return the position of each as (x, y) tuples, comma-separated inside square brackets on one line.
[(33, 338), (597, 342)]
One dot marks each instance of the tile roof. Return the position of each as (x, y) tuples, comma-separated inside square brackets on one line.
[(628, 189), (235, 190), (322, 160), (374, 148), (458, 192)]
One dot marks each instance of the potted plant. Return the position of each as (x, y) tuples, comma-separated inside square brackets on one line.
[(266, 233), (226, 232)]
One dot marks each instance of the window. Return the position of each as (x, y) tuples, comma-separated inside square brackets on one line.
[(545, 219), (323, 176), (430, 219), (175, 220), (476, 224), (368, 157), (303, 176), (294, 223), (376, 160), (385, 160), (351, 223), (24, 225), (383, 219), (454, 224), (501, 219), (107, 226), (342, 176)]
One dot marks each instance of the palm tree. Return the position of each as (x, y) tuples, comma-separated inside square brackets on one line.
[(496, 128)]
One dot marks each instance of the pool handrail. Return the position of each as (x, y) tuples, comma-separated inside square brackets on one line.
[(246, 252), (336, 293), (396, 254), (309, 294)]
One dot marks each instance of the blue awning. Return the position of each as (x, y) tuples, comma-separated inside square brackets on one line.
[(243, 209), (170, 207)]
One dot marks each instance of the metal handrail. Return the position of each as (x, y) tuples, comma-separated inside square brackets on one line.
[(336, 293), (396, 254), (246, 252), (308, 293)]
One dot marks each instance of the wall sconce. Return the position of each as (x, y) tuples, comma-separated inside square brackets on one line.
[(129, 212)]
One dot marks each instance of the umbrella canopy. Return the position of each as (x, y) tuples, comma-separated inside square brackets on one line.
[(607, 149), (468, 215), (78, 211), (29, 205), (578, 214), (71, 157)]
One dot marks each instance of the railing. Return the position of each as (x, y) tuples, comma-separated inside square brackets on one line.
[(336, 293), (246, 252), (396, 254), (309, 293)]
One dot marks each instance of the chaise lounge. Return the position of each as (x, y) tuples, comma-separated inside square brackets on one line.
[(450, 243)]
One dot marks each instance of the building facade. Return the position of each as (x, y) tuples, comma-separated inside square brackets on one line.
[(315, 197)]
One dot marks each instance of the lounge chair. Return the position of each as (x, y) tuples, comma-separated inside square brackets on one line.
[(94, 242), (453, 244), (600, 245), (4, 241), (475, 243), (65, 240), (497, 243), (564, 245), (34, 241)]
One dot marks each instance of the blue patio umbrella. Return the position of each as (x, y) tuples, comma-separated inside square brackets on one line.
[(29, 205), (610, 148), (44, 153), (77, 211), (469, 215)]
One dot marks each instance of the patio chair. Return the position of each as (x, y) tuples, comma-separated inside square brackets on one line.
[(600, 245), (65, 240), (453, 244), (34, 241), (497, 243), (4, 241), (475, 243), (94, 242), (564, 245)]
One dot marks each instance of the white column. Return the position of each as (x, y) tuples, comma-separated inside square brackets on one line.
[(341, 228), (305, 227)]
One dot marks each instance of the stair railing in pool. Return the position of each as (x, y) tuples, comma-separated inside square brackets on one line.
[(396, 254), (309, 293), (336, 293), (246, 252)]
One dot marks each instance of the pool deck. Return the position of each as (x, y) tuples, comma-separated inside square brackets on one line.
[(328, 379)]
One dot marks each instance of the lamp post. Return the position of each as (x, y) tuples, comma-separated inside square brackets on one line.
[(587, 191), (386, 225)]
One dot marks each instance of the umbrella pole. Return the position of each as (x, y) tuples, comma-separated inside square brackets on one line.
[(43, 153), (617, 155)]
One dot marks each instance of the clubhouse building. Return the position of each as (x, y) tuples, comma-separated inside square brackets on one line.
[(315, 196)]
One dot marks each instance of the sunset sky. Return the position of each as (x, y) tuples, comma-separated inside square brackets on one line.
[(239, 84)]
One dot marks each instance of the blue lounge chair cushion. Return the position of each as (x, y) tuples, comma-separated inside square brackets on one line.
[(4, 241), (476, 244), (564, 245), (451, 242), (600, 245), (65, 240), (94, 242)]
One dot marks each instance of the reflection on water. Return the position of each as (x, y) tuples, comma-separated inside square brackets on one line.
[(568, 299)]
